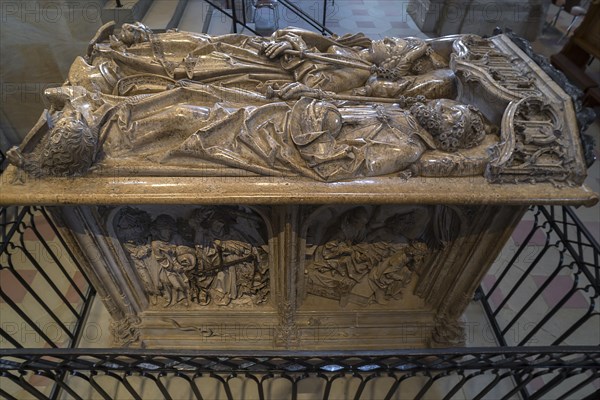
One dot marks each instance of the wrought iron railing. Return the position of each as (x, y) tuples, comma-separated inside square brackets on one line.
[(424, 374), (290, 6), (45, 294), (27, 370), (320, 26), (563, 258)]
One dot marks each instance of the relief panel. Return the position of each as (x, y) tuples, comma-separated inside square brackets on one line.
[(196, 257)]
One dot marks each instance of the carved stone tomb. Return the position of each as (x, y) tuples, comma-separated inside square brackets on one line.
[(297, 191)]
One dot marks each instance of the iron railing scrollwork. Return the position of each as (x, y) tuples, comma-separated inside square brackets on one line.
[(422, 374), (562, 256), (555, 247), (38, 267)]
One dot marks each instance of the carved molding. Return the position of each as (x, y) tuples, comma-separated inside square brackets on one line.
[(287, 332), (125, 331), (447, 332)]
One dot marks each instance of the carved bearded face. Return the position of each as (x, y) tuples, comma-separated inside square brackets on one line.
[(453, 125), (387, 48)]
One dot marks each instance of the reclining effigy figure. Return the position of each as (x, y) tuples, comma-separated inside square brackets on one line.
[(129, 103), (351, 63)]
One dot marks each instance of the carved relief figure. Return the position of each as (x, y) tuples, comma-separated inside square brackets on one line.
[(390, 67), (164, 244), (364, 258), (360, 108), (191, 124), (133, 229), (309, 137), (202, 267)]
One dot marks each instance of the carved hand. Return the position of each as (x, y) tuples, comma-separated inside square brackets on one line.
[(275, 49), (289, 41), (296, 90), (15, 157)]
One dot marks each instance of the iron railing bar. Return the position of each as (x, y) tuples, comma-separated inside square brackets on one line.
[(593, 396), (259, 386), (394, 388), (324, 16), (98, 388), (6, 336), (195, 388), (564, 239), (64, 244), (550, 314), (244, 18), (579, 386), (305, 17), (36, 297), (233, 16), (425, 387), (581, 226), (294, 389), (87, 305), (329, 383), (517, 254), (361, 387), (161, 386), (5, 394), (42, 240), (20, 381), (520, 385), (500, 338), (44, 274), (26, 318), (527, 272), (492, 320), (2, 160), (17, 222), (584, 318), (145, 355), (256, 382), (75, 337), (130, 388), (558, 379), (222, 10), (3, 223), (499, 377), (59, 385), (219, 378), (534, 296), (457, 386)]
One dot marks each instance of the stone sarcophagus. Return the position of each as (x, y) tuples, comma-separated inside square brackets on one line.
[(296, 191)]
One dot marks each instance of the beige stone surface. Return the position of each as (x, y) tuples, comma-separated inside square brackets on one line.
[(273, 190), (357, 204)]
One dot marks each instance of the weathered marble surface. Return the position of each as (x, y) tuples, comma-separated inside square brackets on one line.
[(299, 191)]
